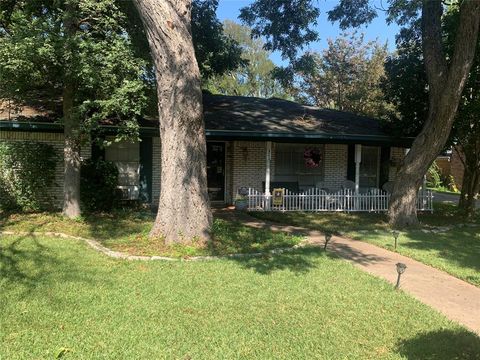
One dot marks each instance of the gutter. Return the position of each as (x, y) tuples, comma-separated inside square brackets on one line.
[(380, 140), (309, 138)]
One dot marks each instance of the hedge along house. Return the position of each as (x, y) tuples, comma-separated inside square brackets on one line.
[(253, 143)]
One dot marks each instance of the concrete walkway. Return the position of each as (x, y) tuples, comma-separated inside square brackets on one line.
[(449, 198), (456, 299)]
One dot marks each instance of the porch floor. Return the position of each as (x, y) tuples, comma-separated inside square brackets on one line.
[(456, 299)]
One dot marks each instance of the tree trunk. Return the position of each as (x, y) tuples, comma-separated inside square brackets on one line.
[(184, 211), (470, 184), (446, 83), (71, 150), (71, 153)]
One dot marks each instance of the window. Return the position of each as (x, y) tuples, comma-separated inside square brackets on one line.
[(369, 167), (291, 165), (126, 155)]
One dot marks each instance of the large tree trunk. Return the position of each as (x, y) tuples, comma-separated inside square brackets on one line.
[(184, 211), (446, 83), (471, 181), (71, 153)]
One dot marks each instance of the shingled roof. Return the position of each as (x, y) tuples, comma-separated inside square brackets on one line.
[(251, 118), (277, 119)]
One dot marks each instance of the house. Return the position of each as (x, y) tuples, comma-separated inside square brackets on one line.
[(251, 143)]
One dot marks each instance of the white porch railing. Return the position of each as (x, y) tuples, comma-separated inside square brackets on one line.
[(315, 200)]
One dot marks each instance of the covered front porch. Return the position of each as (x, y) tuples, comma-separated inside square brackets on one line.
[(318, 177)]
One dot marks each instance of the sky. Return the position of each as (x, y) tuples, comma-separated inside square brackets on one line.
[(378, 29)]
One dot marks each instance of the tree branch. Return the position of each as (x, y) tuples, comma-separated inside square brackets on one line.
[(467, 34)]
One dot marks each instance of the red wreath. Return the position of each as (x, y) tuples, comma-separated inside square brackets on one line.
[(312, 157)]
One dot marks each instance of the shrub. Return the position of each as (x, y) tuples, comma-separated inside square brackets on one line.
[(434, 176), (27, 169), (98, 185)]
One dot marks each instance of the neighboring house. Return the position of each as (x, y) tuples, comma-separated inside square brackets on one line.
[(251, 142), (451, 164)]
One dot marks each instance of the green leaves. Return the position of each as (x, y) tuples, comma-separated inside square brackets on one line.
[(26, 170), (352, 13), (39, 55), (285, 24), (255, 77), (216, 52), (346, 76)]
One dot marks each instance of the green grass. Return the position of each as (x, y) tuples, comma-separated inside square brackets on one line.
[(445, 190), (456, 251), (127, 231), (59, 298)]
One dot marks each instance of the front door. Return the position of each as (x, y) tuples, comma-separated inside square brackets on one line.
[(216, 171)]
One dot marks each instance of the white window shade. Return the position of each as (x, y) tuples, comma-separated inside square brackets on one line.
[(126, 156)]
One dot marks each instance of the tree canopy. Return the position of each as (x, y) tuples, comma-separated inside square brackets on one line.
[(347, 76), (34, 63), (255, 76)]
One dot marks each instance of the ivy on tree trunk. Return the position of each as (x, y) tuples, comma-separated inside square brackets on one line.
[(72, 158), (184, 210)]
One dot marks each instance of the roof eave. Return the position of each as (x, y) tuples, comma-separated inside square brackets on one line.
[(380, 140)]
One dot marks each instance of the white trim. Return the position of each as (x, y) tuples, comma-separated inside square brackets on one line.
[(268, 160), (358, 161)]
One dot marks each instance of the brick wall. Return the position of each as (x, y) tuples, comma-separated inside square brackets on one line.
[(248, 165), (336, 164), (444, 165), (245, 163), (396, 157), (55, 140), (456, 167)]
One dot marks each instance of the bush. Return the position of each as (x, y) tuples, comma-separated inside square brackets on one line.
[(434, 176), (98, 185), (27, 170)]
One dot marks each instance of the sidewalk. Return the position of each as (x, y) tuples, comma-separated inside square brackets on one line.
[(449, 198), (456, 299)]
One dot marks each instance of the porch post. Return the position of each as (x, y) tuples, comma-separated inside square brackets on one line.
[(267, 173), (358, 160)]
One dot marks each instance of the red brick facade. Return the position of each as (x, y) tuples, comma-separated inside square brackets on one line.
[(456, 167)]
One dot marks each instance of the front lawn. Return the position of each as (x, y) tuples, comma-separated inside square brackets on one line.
[(445, 240), (61, 299), (127, 231)]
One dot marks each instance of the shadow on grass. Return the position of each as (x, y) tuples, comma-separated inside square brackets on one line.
[(230, 236), (441, 344), (458, 246), (299, 261), (25, 264), (335, 223), (119, 224)]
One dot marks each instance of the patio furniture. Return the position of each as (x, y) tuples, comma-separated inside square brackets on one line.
[(388, 187), (348, 185)]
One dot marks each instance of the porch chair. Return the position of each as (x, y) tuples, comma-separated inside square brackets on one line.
[(388, 187), (348, 185)]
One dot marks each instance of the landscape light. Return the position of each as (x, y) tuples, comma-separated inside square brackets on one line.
[(400, 270), (395, 234), (328, 237)]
